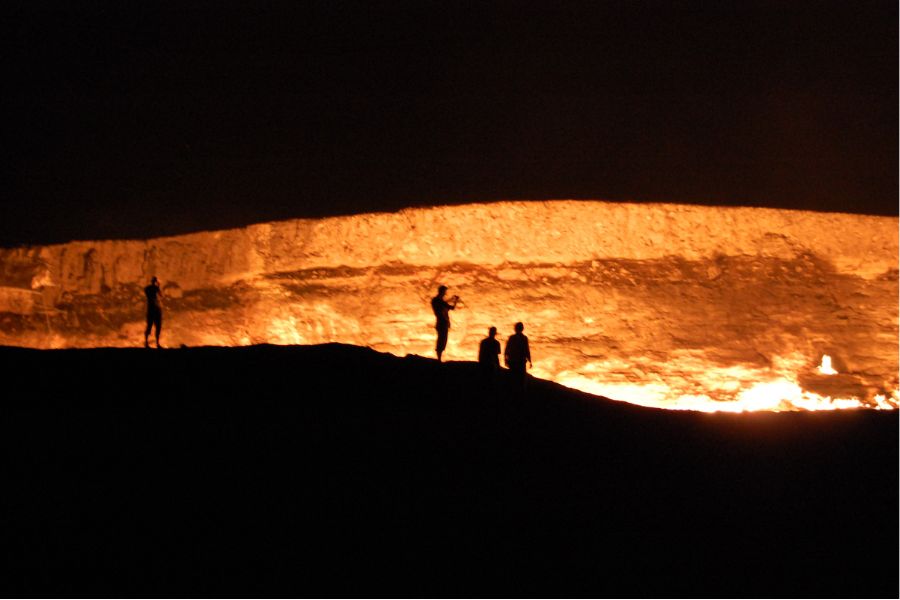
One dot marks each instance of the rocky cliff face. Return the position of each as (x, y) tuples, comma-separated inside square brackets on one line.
[(671, 305)]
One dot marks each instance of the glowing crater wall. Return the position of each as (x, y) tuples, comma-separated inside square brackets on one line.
[(665, 305)]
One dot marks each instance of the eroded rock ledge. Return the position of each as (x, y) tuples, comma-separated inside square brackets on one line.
[(665, 301)]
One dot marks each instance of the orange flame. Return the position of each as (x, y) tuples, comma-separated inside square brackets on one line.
[(736, 390), (671, 306), (825, 368)]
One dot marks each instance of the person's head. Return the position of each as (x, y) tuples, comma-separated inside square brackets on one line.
[(442, 290), (492, 332), (519, 327), (154, 280)]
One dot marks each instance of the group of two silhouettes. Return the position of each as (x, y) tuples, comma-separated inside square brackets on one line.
[(516, 355)]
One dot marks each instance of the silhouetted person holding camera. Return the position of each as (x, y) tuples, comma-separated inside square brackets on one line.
[(442, 310), (489, 354), (516, 355), (154, 310)]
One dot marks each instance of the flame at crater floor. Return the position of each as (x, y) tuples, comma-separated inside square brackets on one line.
[(675, 306)]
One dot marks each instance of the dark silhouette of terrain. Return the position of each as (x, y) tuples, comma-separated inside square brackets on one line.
[(278, 470)]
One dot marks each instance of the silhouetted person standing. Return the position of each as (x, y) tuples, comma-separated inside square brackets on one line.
[(489, 353), (516, 355), (154, 310), (442, 310)]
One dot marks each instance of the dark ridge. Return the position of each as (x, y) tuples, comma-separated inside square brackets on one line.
[(275, 470)]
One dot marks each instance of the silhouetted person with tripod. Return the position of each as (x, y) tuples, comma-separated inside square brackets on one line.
[(442, 310), (516, 355), (489, 354), (154, 310)]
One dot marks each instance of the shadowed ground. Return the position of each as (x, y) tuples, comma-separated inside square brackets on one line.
[(277, 470)]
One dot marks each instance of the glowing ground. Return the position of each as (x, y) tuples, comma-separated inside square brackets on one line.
[(673, 306)]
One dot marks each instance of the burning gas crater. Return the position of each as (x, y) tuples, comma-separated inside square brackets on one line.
[(672, 306)]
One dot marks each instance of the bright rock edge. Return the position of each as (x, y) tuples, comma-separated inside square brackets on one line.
[(672, 306)]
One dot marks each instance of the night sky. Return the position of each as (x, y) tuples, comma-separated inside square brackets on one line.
[(145, 121)]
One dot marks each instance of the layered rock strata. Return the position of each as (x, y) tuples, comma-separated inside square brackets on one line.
[(667, 305)]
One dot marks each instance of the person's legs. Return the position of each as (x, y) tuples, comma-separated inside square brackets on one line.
[(147, 330), (517, 370), (158, 322), (441, 341)]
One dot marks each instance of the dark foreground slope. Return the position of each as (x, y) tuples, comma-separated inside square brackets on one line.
[(336, 470)]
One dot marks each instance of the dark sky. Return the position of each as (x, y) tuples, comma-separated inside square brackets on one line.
[(134, 122)]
